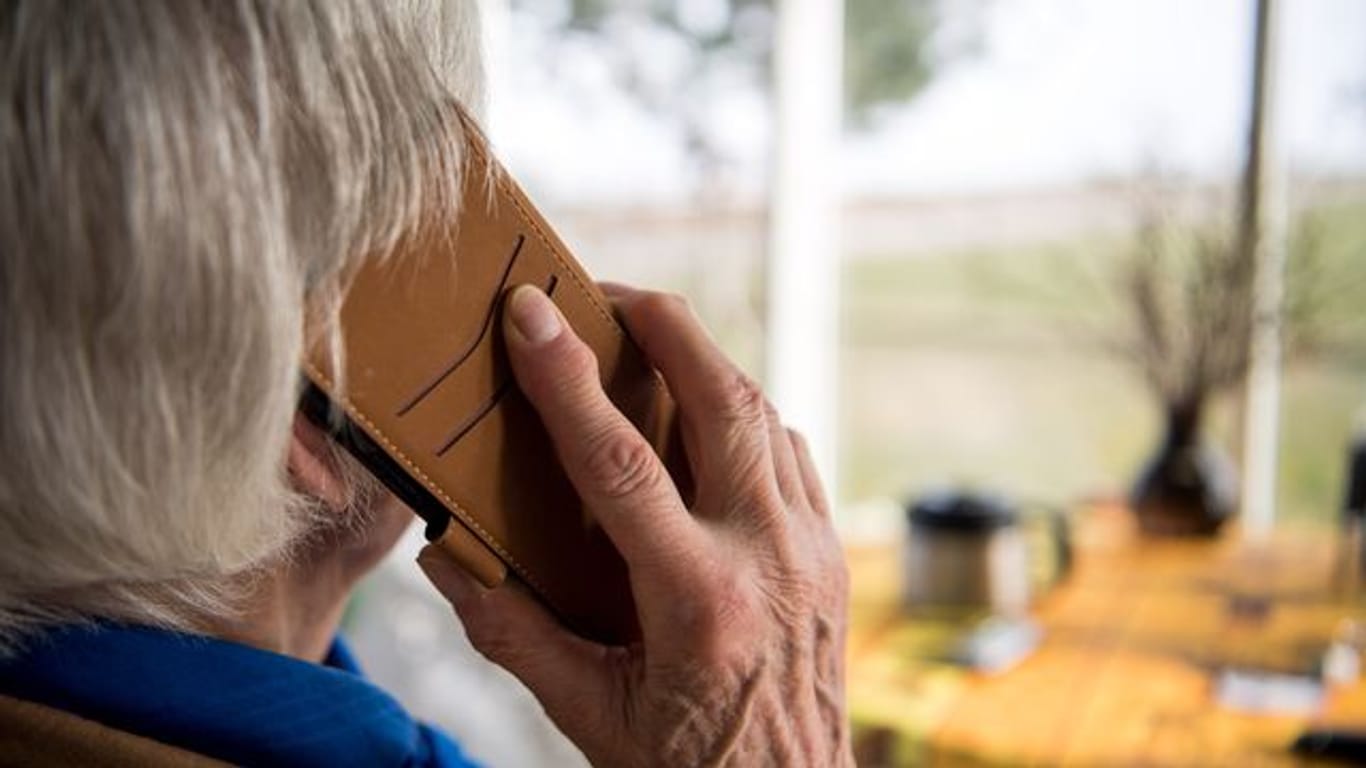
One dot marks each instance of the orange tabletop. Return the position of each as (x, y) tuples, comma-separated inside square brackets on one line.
[(1133, 642)]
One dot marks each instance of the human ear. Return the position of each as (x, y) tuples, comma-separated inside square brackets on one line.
[(312, 465)]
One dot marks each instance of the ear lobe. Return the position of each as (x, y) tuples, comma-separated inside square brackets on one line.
[(311, 468)]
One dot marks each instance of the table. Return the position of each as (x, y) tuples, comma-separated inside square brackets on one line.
[(1133, 640)]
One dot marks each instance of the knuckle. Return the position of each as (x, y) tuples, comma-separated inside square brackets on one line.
[(815, 565), (620, 464), (667, 303), (741, 400), (798, 592), (755, 500), (489, 637), (580, 358), (831, 568), (654, 305), (576, 377), (721, 613), (836, 570), (775, 419)]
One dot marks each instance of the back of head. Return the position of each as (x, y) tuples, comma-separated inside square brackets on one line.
[(179, 181)]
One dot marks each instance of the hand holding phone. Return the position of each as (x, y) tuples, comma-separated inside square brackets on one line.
[(741, 593)]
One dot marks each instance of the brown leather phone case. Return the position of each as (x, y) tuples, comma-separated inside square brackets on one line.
[(430, 406)]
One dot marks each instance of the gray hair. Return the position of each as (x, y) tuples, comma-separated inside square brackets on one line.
[(183, 181)]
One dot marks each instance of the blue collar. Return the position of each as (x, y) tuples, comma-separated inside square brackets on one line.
[(224, 700)]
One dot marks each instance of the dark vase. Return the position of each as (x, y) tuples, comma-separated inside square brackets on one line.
[(1188, 488)]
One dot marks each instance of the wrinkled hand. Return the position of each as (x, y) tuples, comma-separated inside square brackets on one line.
[(741, 598)]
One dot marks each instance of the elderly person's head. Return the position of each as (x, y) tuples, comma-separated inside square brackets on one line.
[(183, 180)]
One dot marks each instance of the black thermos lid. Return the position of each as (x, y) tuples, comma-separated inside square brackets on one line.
[(963, 511)]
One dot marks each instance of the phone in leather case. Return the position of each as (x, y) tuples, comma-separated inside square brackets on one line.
[(428, 403)]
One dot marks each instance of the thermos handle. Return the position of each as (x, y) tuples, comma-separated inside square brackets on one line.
[(1052, 566), (1060, 525)]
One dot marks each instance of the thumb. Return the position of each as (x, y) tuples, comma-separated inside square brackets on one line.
[(573, 678)]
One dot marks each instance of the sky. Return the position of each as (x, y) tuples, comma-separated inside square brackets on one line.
[(1062, 92)]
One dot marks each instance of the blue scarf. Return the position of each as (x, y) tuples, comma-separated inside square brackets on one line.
[(224, 700)]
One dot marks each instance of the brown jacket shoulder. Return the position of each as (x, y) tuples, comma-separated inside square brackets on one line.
[(36, 735)]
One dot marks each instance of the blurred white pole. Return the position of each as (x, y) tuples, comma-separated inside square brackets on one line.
[(802, 350), (1263, 223), (494, 21)]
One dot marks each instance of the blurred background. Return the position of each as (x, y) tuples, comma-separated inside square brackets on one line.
[(1069, 295)]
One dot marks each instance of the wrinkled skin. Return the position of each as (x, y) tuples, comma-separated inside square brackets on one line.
[(741, 597)]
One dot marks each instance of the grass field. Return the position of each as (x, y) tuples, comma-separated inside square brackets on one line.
[(986, 368)]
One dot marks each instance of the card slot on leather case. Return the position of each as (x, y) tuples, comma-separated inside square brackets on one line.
[(428, 403)]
